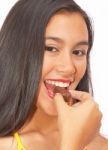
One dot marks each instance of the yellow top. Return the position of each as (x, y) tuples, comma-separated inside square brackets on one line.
[(19, 143)]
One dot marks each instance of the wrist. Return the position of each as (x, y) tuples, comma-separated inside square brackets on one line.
[(67, 144)]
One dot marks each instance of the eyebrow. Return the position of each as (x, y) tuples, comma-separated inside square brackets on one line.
[(55, 39), (59, 40)]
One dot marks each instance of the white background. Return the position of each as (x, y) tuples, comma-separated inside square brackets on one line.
[(98, 11)]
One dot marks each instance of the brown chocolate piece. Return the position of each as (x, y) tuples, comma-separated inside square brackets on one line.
[(66, 95)]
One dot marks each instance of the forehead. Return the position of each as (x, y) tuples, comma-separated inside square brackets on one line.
[(70, 26)]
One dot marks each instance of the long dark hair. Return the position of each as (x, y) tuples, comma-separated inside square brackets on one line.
[(21, 58)]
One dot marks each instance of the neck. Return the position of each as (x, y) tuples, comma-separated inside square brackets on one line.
[(42, 123)]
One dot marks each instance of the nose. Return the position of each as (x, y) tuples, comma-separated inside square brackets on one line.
[(66, 66)]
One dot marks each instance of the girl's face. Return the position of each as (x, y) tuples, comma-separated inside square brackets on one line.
[(65, 58)]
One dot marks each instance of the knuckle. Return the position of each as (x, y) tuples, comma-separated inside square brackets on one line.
[(85, 96)]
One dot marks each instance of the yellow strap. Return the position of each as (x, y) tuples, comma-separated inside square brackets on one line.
[(19, 143)]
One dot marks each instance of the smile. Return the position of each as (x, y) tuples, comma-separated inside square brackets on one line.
[(50, 84)]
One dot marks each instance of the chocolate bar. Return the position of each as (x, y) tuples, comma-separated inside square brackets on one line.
[(66, 95)]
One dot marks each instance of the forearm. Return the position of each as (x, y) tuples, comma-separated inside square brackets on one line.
[(67, 144)]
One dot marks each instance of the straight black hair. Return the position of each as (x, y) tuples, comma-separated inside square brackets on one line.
[(21, 58)]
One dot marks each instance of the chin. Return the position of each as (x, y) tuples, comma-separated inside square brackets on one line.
[(51, 111), (48, 109)]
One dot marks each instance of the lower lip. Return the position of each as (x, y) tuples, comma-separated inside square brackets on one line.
[(50, 94), (49, 91)]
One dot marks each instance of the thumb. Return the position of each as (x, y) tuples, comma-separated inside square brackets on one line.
[(59, 102), (81, 95)]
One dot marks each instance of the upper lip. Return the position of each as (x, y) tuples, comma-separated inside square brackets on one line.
[(62, 80)]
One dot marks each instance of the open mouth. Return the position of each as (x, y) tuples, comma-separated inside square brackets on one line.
[(52, 84)]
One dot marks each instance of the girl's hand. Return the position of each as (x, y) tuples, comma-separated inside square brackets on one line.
[(79, 123)]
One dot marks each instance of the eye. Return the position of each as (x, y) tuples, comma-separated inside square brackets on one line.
[(51, 48), (79, 52)]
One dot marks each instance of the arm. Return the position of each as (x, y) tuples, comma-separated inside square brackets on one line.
[(78, 124)]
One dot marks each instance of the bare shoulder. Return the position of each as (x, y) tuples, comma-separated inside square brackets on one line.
[(7, 143), (99, 142)]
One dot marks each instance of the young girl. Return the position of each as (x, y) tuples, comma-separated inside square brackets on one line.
[(46, 44)]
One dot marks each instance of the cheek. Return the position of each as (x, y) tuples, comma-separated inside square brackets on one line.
[(47, 65), (81, 68)]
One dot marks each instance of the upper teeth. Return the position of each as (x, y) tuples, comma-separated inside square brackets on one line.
[(60, 84)]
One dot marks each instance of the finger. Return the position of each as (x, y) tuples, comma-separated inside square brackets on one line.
[(59, 102), (80, 95)]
